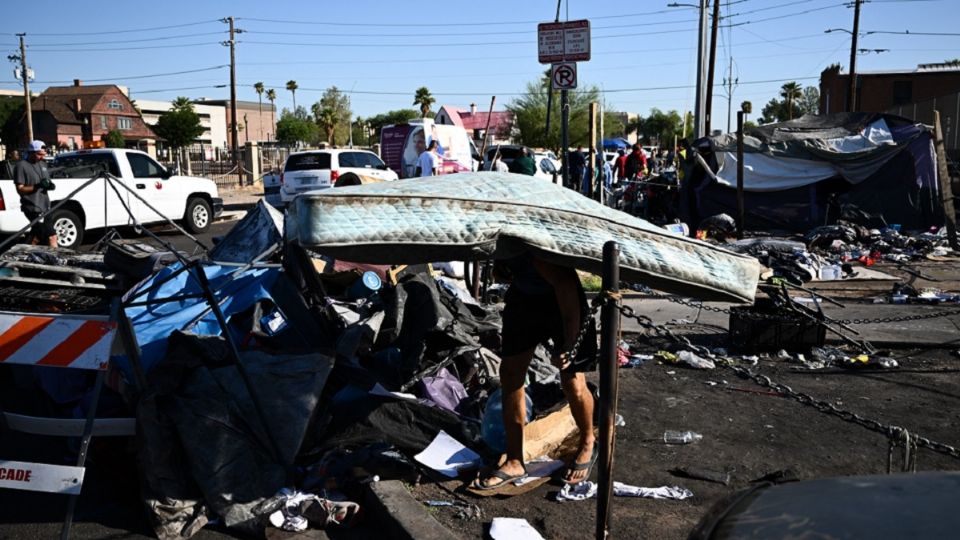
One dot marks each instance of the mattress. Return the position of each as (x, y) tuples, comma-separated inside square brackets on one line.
[(481, 215)]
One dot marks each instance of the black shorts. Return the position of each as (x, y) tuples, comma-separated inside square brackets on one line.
[(534, 319), (41, 230)]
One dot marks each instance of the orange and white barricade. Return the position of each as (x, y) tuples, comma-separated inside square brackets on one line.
[(65, 341)]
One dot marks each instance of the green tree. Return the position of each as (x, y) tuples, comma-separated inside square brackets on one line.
[(179, 126), (791, 93), (259, 89), (332, 114), (662, 127), (810, 101), (294, 129), (11, 113), (423, 98), (292, 87), (114, 139), (530, 116), (398, 116)]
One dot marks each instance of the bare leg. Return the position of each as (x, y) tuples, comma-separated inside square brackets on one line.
[(513, 370), (581, 406)]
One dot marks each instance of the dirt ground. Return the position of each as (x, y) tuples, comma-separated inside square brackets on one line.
[(745, 433)]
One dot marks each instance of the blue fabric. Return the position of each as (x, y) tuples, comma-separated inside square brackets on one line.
[(152, 324), (615, 144)]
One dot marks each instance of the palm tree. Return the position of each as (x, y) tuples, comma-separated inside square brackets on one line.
[(424, 100), (791, 92), (292, 87), (271, 97), (258, 88)]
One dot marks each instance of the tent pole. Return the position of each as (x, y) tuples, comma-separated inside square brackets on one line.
[(740, 212), (946, 190)]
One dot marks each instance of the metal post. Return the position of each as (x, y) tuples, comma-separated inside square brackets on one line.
[(564, 138), (234, 135), (84, 446), (852, 93), (698, 123), (729, 92), (710, 67), (592, 165), (740, 211), (609, 333), (26, 87)]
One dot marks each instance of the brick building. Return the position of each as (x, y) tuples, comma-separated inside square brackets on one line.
[(251, 124), (67, 116), (879, 91)]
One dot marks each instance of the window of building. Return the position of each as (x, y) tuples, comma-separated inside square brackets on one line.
[(902, 92), (124, 123), (115, 104), (103, 122)]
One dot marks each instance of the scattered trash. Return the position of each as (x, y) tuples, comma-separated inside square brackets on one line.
[(695, 361), (587, 489), (298, 510), (538, 468), (513, 529), (620, 422), (681, 437), (448, 456)]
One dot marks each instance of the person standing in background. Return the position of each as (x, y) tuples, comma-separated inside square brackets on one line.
[(33, 182), (9, 164)]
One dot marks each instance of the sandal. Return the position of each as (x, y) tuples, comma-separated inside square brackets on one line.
[(505, 478), (588, 466)]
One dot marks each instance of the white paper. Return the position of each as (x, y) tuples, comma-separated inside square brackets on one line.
[(447, 456), (513, 529), (539, 468), (378, 390)]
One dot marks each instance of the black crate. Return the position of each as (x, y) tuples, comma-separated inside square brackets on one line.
[(764, 327)]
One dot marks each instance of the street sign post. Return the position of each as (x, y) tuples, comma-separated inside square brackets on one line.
[(563, 41), (564, 76)]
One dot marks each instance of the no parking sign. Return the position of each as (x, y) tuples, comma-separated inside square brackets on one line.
[(564, 76)]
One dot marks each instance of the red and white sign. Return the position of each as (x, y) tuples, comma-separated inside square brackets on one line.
[(564, 76), (56, 340), (41, 477), (563, 41)]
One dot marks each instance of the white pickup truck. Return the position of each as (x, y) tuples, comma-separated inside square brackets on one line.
[(192, 200)]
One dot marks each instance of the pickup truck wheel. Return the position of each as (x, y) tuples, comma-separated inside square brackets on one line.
[(199, 216), (68, 226)]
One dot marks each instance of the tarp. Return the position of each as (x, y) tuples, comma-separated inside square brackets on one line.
[(238, 290), (482, 215), (614, 144)]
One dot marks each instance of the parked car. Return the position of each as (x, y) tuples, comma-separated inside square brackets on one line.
[(321, 169), (509, 152), (195, 201), (548, 154), (402, 144)]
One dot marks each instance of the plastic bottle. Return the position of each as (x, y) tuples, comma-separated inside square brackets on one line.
[(681, 437), (492, 428)]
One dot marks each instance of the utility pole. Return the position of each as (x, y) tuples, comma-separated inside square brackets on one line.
[(234, 134), (729, 92), (26, 86), (852, 93), (698, 116), (713, 58)]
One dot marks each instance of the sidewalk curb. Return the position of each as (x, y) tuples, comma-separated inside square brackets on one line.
[(403, 517)]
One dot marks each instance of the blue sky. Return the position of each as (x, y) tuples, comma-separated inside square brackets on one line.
[(644, 53)]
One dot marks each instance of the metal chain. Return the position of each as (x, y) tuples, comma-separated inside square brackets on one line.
[(904, 318), (890, 431), (571, 353)]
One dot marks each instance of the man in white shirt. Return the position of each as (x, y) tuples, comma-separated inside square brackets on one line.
[(428, 162)]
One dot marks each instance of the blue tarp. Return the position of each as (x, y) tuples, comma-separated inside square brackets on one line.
[(236, 290), (615, 144)]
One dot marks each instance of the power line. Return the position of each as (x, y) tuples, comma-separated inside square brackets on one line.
[(812, 10), (162, 38), (100, 49), (87, 33), (131, 77), (909, 33)]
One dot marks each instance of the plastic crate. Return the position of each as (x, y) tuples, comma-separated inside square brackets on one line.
[(764, 327)]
